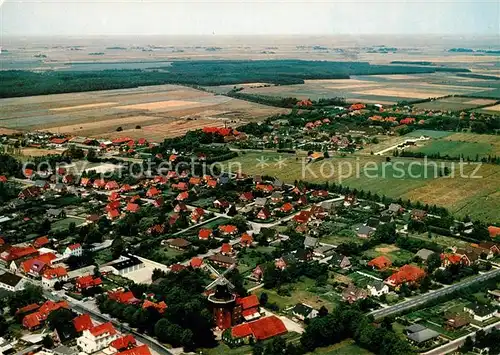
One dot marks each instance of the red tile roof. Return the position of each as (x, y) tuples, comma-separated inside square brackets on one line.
[(494, 231), (196, 262), (139, 350), (152, 192), (261, 329), (226, 248), (74, 246), (248, 302), (246, 239), (113, 214), (407, 273), (204, 233), (133, 207), (82, 322), (41, 241), (380, 262), (54, 273), (124, 343), (103, 329), (228, 229), (241, 331)]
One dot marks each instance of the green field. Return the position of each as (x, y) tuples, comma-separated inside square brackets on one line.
[(429, 133), (346, 347), (456, 148), (463, 194), (64, 223), (450, 104)]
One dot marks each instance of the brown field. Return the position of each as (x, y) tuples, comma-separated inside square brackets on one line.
[(36, 152), (159, 105), (495, 108), (387, 249), (400, 93), (102, 104), (100, 113), (93, 128), (160, 131)]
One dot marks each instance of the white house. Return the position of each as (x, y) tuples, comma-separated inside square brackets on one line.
[(481, 312), (53, 275), (97, 338), (377, 288), (303, 311), (11, 282), (73, 250)]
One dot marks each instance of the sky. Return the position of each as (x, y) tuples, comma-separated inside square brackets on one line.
[(248, 17)]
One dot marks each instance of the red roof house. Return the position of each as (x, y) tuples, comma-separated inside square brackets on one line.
[(260, 329), (204, 234), (82, 322), (152, 192), (228, 229), (381, 262), (41, 241), (111, 185), (86, 282), (124, 343), (133, 207), (196, 263), (138, 350), (246, 240), (226, 249), (182, 196), (494, 231), (405, 274)]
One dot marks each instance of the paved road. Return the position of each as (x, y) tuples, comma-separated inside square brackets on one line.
[(426, 297)]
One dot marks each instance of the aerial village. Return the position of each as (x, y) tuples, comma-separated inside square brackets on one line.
[(177, 260)]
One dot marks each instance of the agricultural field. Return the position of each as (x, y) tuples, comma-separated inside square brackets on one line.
[(153, 112), (382, 89), (495, 110), (471, 194), (468, 145), (454, 104)]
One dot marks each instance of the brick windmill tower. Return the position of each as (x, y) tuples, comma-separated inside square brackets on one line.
[(223, 299)]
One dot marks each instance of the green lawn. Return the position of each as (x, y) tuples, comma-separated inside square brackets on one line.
[(346, 347), (64, 223), (303, 291)]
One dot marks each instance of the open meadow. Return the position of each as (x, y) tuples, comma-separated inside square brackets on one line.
[(160, 111)]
